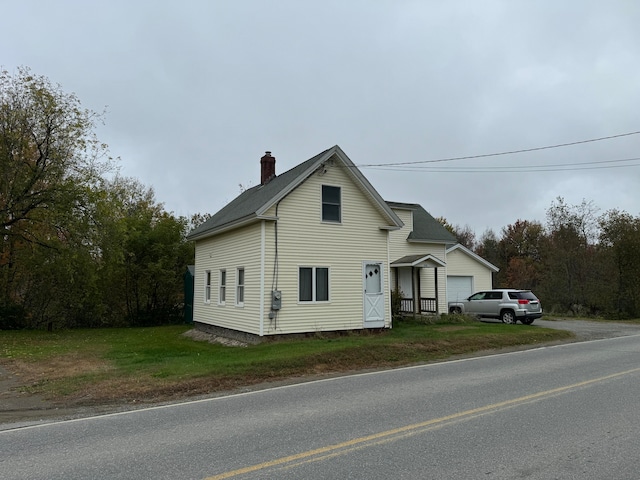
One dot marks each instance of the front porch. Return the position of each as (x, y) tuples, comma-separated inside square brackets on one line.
[(408, 284)]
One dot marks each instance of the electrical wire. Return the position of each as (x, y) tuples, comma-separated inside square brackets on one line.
[(516, 168), (510, 152)]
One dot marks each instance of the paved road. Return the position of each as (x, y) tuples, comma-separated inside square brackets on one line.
[(568, 411)]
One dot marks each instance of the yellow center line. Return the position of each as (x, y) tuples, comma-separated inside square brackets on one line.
[(409, 428)]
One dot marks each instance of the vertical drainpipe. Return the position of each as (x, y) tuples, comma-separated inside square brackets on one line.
[(388, 277), (263, 237)]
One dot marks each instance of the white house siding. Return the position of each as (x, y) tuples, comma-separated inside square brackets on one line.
[(304, 240), (399, 247), (461, 264), (239, 248)]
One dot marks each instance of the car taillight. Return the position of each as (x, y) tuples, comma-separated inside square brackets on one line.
[(523, 301)]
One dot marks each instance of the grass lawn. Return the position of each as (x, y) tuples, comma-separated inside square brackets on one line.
[(104, 366)]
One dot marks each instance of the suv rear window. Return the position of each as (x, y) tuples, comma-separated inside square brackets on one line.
[(524, 295)]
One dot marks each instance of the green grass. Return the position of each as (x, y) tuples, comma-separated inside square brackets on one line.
[(149, 364)]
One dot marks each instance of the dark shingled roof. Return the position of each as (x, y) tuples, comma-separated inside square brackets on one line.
[(425, 227), (249, 202)]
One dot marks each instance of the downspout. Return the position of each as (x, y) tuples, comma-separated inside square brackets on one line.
[(389, 309), (273, 314)]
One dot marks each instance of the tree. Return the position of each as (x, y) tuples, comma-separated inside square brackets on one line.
[(48, 153), (142, 254), (464, 235), (50, 159), (489, 248), (620, 241), (78, 249), (521, 248), (571, 257)]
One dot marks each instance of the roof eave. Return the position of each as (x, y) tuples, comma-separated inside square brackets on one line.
[(357, 175), (440, 242), (242, 222), (424, 259)]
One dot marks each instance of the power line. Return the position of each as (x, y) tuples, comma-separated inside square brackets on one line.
[(515, 168), (511, 152), (526, 170)]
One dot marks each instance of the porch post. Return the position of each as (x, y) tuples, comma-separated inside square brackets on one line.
[(416, 296), (435, 271), (418, 291), (397, 282)]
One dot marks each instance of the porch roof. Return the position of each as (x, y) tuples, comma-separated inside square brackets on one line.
[(420, 261)]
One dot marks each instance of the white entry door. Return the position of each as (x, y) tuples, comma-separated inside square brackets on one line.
[(373, 295)]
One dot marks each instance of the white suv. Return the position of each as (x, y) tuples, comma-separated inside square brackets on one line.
[(507, 304)]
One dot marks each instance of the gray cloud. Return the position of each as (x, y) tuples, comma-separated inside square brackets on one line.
[(196, 91)]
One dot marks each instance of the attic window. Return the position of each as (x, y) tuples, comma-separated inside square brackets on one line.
[(331, 204)]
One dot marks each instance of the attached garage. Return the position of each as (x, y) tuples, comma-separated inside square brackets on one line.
[(467, 273)]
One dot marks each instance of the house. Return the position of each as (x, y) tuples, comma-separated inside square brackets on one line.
[(315, 249), (467, 273), (418, 259)]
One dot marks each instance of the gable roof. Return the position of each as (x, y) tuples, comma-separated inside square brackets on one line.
[(476, 257), (252, 204), (419, 260), (425, 227)]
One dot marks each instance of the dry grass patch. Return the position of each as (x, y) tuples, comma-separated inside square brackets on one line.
[(59, 366)]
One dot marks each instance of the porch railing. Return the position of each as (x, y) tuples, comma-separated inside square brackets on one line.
[(427, 305)]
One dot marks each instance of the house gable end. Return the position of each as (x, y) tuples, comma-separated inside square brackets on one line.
[(462, 249), (253, 204)]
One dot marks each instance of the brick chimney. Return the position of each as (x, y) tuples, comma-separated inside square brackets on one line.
[(267, 168)]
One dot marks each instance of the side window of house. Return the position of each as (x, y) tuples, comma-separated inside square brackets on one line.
[(207, 286), (313, 284), (331, 209), (240, 287), (222, 296)]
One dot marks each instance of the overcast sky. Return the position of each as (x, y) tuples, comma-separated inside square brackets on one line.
[(197, 91)]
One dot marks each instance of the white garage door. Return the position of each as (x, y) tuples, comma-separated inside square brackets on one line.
[(459, 288)]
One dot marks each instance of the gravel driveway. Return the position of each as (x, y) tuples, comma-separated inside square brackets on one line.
[(586, 330)]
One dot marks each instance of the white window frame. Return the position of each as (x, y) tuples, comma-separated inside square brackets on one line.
[(240, 282), (207, 286), (314, 286), (322, 204), (222, 290)]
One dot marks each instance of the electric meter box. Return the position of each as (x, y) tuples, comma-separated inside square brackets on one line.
[(276, 300)]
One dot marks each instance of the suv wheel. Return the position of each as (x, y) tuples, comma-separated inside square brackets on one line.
[(507, 316)]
